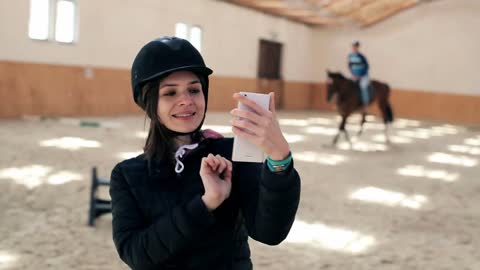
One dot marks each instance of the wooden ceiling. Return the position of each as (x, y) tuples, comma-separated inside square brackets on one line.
[(326, 13)]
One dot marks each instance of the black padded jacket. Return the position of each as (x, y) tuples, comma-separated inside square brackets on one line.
[(160, 222)]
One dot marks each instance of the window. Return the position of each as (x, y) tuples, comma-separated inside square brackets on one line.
[(190, 33), (181, 30), (65, 21), (53, 20), (39, 13), (196, 37)]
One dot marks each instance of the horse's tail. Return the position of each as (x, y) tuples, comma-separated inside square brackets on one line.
[(389, 114), (387, 108)]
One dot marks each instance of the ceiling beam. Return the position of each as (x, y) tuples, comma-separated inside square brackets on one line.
[(329, 12), (345, 7), (273, 4), (282, 9), (381, 10)]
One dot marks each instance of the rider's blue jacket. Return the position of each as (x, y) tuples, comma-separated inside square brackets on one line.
[(358, 64)]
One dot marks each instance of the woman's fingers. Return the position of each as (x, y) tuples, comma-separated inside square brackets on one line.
[(217, 165), (204, 164), (248, 127), (212, 163), (261, 129), (245, 134), (272, 102), (250, 103), (221, 164), (228, 171), (247, 115)]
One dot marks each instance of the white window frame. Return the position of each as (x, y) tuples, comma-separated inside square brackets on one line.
[(189, 28), (52, 20)]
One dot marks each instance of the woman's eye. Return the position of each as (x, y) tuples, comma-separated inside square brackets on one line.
[(194, 91), (169, 93)]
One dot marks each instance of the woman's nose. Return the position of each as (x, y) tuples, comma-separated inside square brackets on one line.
[(186, 99)]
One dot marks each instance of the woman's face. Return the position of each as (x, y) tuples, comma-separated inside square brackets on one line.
[(181, 104)]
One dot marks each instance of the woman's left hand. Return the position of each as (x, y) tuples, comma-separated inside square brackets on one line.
[(260, 127)]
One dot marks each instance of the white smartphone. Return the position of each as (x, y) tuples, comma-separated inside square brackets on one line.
[(243, 150)]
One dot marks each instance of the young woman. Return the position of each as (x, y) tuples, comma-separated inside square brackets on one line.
[(182, 204)]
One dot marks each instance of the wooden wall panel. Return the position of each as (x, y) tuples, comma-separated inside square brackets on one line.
[(436, 106), (9, 97), (53, 90), (276, 86), (113, 88), (297, 96), (319, 98), (222, 88)]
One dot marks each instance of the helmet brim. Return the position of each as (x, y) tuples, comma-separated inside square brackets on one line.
[(195, 69)]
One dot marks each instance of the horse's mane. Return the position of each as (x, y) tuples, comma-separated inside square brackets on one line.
[(336, 75)]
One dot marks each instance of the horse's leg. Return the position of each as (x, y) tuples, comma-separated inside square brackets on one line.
[(347, 137), (344, 130), (385, 109), (387, 138), (364, 115), (335, 139), (341, 128)]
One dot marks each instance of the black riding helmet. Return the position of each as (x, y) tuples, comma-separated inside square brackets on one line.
[(162, 56)]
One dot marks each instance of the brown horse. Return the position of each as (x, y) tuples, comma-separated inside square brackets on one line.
[(349, 101)]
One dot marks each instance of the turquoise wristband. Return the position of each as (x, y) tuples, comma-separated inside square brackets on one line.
[(279, 165)]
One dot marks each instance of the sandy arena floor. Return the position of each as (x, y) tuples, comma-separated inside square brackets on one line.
[(411, 205)]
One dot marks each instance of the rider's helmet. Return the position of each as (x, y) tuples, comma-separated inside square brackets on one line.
[(162, 56)]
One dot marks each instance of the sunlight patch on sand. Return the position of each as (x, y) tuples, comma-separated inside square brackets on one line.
[(321, 130), (373, 126), (446, 129), (416, 134), (389, 198), (421, 171), (223, 129), (367, 126), (362, 146), (7, 260), (356, 118), (394, 139), (452, 159), (141, 134), (315, 157), (294, 138), (464, 149), (36, 175), (63, 177), (321, 121), (405, 123), (426, 133), (70, 143), (128, 155), (473, 141), (293, 122), (323, 236)]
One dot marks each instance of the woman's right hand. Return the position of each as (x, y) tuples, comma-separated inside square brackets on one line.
[(216, 174)]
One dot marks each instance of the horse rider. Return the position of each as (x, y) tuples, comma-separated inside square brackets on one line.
[(358, 65)]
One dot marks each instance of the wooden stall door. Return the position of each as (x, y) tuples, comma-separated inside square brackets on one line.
[(269, 70)]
